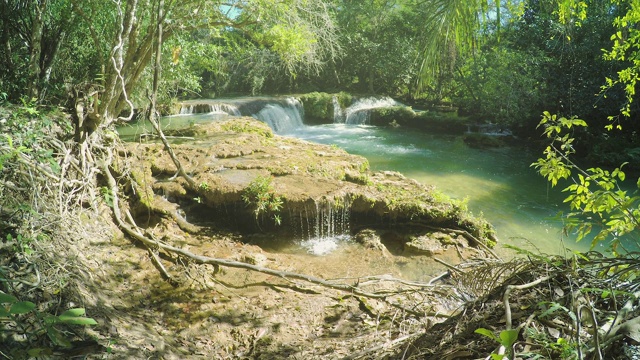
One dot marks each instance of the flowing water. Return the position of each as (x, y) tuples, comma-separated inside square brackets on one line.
[(497, 183)]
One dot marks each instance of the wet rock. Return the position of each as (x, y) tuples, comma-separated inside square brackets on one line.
[(254, 259), (323, 188), (370, 239), (429, 244)]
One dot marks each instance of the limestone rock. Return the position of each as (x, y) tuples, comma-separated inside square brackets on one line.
[(430, 244), (370, 239)]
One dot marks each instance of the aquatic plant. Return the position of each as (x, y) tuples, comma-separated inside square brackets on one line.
[(261, 195)]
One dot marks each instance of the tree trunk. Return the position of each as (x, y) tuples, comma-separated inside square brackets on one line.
[(36, 47), (4, 37)]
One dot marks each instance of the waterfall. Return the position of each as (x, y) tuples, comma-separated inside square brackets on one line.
[(282, 117), (186, 109), (324, 225), (338, 114), (358, 113), (222, 108), (217, 108)]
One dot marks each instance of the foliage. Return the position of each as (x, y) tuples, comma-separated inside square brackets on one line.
[(597, 199), (503, 85), (506, 339), (625, 49), (380, 42), (318, 107), (23, 318), (261, 196)]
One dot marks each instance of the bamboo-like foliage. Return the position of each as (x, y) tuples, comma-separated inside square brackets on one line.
[(450, 29)]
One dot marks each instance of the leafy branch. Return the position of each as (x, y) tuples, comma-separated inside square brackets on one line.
[(595, 197)]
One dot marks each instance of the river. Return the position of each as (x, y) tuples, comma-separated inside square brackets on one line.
[(498, 183)]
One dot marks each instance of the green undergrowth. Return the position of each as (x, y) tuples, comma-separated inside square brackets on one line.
[(248, 126)]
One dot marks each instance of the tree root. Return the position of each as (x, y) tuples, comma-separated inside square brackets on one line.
[(133, 232)]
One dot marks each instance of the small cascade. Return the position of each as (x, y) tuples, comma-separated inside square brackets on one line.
[(323, 225), (186, 109), (222, 108), (358, 113), (338, 114), (217, 108), (282, 116)]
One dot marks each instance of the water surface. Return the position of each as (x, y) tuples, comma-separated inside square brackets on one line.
[(498, 183)]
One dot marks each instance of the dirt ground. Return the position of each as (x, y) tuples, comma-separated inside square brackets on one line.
[(241, 314)]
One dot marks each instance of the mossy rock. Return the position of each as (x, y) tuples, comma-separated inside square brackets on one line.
[(483, 141), (318, 107)]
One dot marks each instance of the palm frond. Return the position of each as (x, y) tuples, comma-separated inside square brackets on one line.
[(450, 30)]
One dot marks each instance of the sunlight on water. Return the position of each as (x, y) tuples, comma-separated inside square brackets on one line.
[(323, 245), (499, 183)]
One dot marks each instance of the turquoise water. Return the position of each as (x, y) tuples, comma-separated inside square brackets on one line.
[(498, 183)]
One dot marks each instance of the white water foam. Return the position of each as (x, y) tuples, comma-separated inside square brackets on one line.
[(217, 108), (358, 113), (323, 245), (282, 118)]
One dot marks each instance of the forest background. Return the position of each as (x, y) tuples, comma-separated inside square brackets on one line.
[(570, 63)]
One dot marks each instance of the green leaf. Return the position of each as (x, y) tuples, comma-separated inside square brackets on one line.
[(40, 352), (57, 338), (508, 337), (78, 321), (488, 333), (73, 312), (22, 307), (3, 312), (75, 317), (7, 299)]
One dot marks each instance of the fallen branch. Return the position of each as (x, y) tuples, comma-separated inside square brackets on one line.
[(507, 292), (199, 259)]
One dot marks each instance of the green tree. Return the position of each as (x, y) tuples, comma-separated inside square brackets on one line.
[(598, 201), (380, 42), (450, 32)]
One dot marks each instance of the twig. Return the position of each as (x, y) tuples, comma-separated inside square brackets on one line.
[(451, 267), (154, 257), (385, 346), (199, 259), (507, 292)]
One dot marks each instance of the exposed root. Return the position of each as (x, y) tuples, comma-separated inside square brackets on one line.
[(555, 306), (355, 289)]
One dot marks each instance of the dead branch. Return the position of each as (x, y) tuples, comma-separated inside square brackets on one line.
[(510, 288), (199, 259)]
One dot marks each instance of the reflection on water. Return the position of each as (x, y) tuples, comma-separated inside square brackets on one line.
[(499, 183)]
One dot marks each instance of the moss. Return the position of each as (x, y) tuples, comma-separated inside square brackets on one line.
[(344, 99), (318, 107), (394, 114), (362, 179), (142, 188), (248, 126), (483, 141), (364, 166)]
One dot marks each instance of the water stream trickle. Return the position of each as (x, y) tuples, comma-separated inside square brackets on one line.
[(338, 114), (358, 113), (282, 117), (323, 226)]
